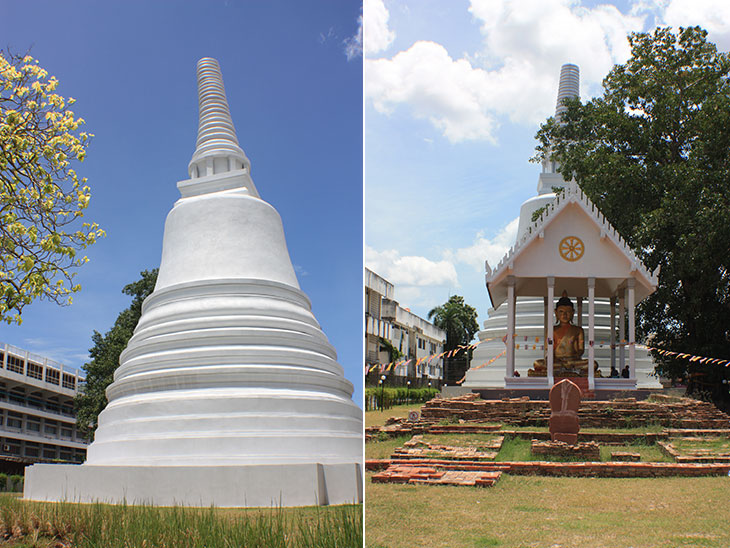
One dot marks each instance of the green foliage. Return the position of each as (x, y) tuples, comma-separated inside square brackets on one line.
[(16, 482), (105, 354), (393, 353), (396, 396), (458, 319), (3, 482), (652, 154), (41, 197), (540, 210)]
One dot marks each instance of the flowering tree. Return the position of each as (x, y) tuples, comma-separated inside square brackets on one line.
[(41, 197)]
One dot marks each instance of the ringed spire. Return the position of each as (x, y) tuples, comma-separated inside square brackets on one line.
[(217, 149)]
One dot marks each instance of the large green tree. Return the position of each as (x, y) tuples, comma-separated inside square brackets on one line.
[(458, 319), (653, 153), (105, 354), (42, 199)]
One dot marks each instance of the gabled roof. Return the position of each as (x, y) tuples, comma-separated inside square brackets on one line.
[(605, 256)]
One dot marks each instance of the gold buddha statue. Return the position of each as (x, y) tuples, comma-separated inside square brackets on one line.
[(568, 347)]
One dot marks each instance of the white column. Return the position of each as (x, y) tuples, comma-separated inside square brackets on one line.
[(549, 342), (632, 330), (622, 330), (579, 319), (613, 331), (591, 332), (546, 319), (510, 342)]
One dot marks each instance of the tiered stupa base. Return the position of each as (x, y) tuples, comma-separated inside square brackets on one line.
[(276, 485)]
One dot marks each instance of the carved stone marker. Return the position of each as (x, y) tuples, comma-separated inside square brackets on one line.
[(564, 402)]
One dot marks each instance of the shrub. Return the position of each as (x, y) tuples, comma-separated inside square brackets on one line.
[(16, 482)]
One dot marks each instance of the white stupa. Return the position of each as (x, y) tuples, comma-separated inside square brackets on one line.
[(228, 393), (488, 367)]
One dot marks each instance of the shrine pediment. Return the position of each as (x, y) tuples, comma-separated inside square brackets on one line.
[(572, 242)]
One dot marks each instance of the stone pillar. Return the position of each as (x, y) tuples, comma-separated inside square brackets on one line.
[(579, 319), (613, 331), (546, 319), (549, 342), (591, 332), (622, 330), (510, 342), (632, 329)]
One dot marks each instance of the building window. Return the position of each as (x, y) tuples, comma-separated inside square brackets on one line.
[(49, 453), (69, 381), (15, 364), (16, 397), (51, 429), (66, 433), (14, 422), (33, 426), (35, 370), (52, 375)]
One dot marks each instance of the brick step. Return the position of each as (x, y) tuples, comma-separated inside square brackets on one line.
[(703, 458), (398, 455), (423, 475), (568, 469)]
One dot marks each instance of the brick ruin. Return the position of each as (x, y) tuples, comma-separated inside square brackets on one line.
[(418, 462), (617, 413)]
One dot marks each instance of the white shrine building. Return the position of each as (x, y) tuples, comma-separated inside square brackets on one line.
[(571, 248)]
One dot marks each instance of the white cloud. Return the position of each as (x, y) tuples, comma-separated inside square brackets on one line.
[(525, 43), (450, 93), (711, 15), (377, 34), (410, 270), (489, 249), (353, 45)]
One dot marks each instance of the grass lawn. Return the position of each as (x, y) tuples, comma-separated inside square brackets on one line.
[(545, 512), (377, 418), (65, 525), (515, 449), (715, 445), (524, 511)]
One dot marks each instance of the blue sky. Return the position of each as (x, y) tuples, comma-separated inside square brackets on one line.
[(454, 94), (296, 102)]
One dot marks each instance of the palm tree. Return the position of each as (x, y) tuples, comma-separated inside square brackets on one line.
[(458, 319)]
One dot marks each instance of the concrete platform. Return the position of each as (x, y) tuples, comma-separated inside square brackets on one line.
[(201, 486)]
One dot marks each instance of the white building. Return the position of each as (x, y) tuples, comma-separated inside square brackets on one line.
[(228, 393), (489, 366), (37, 417), (417, 339)]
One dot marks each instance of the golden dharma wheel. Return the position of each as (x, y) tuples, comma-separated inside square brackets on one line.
[(571, 248)]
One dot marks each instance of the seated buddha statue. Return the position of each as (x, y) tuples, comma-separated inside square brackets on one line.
[(568, 347)]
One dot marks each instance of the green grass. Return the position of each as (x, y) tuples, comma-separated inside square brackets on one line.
[(652, 428), (459, 440), (527, 511), (45, 525), (649, 453), (383, 449), (377, 418), (716, 445)]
